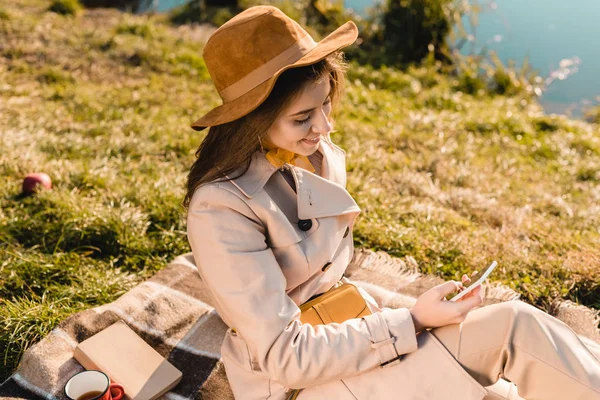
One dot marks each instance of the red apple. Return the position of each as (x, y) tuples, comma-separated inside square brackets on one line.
[(31, 182)]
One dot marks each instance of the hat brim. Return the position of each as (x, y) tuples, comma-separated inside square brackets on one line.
[(342, 37)]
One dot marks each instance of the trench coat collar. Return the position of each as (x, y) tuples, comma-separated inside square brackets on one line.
[(318, 195)]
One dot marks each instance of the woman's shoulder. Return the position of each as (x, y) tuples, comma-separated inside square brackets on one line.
[(221, 204), (217, 193)]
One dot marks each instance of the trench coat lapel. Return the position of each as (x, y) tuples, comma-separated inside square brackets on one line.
[(317, 196)]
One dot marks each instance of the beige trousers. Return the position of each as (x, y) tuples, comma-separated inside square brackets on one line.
[(540, 354)]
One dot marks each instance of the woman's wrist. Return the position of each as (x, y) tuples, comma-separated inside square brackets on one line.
[(418, 326)]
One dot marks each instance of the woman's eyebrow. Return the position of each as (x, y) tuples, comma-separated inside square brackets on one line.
[(305, 111)]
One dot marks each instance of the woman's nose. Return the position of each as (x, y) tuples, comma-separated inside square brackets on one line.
[(323, 126)]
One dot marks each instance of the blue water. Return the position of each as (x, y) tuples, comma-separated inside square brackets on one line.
[(547, 31)]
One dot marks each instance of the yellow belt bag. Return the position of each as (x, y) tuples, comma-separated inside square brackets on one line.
[(338, 304)]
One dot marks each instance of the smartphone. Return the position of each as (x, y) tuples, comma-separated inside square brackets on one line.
[(476, 279)]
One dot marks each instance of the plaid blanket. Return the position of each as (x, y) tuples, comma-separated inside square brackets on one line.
[(171, 311)]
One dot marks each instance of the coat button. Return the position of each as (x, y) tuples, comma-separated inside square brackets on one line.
[(305, 224), (347, 231), (326, 266)]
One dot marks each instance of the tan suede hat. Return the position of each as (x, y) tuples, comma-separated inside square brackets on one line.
[(245, 56)]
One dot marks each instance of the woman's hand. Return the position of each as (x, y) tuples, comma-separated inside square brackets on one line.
[(475, 292), (432, 310)]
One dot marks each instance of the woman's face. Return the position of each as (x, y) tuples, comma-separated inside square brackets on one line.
[(305, 118)]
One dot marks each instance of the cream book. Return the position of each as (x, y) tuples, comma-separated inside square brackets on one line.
[(128, 360)]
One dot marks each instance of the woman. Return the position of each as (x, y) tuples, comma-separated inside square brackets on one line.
[(270, 227)]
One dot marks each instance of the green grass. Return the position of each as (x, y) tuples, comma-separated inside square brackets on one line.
[(65, 7), (102, 102)]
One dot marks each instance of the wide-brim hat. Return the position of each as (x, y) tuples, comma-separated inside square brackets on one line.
[(245, 56)]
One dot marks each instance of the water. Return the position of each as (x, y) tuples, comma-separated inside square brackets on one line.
[(547, 31), (166, 5)]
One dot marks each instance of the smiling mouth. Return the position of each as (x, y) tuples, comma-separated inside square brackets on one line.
[(315, 140)]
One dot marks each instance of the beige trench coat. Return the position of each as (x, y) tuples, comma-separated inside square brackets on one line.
[(262, 249)]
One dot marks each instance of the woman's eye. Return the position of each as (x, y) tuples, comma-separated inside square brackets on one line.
[(304, 121)]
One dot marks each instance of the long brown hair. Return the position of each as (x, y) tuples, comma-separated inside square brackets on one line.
[(232, 144)]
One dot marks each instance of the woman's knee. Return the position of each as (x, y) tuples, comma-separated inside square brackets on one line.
[(514, 309), (520, 307)]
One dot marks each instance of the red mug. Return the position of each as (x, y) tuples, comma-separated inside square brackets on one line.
[(93, 385)]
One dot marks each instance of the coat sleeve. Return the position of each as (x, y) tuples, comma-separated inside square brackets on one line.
[(228, 243)]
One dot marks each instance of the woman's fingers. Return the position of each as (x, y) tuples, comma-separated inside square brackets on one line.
[(466, 277), (448, 287), (470, 300), (475, 293)]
